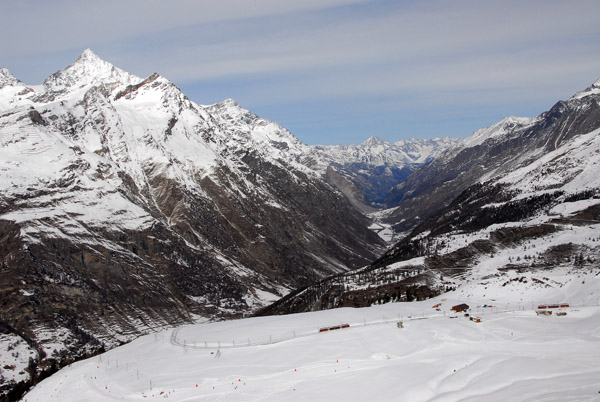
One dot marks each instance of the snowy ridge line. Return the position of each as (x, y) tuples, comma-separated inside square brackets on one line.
[(479, 310)]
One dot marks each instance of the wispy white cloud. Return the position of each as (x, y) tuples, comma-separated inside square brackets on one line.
[(431, 55), (62, 24), (440, 45)]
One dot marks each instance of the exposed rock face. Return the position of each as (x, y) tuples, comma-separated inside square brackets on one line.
[(492, 152), (126, 207)]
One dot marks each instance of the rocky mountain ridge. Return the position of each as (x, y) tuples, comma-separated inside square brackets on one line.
[(490, 153)]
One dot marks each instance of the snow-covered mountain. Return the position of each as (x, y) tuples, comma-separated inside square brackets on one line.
[(125, 207), (366, 173), (492, 152), (521, 196), (380, 153)]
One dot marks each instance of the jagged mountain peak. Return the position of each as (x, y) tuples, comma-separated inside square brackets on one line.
[(231, 107), (88, 69), (229, 102), (89, 56), (258, 133), (591, 90), (497, 130), (231, 112), (373, 141), (6, 78)]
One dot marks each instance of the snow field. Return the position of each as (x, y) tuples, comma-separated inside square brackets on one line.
[(511, 355), (14, 355)]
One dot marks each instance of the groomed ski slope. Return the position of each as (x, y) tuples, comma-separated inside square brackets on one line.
[(511, 355)]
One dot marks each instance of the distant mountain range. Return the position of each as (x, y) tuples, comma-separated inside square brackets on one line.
[(368, 173)]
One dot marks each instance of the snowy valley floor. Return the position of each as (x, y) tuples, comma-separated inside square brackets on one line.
[(511, 355)]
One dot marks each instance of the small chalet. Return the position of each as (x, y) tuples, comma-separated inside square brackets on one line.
[(460, 307)]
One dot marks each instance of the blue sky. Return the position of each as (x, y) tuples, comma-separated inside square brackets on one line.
[(330, 71)]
